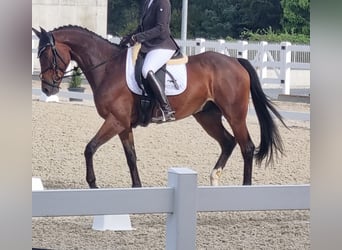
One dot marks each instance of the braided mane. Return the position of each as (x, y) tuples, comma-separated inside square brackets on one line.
[(79, 28)]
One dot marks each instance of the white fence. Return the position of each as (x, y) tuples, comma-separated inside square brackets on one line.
[(181, 200), (273, 62)]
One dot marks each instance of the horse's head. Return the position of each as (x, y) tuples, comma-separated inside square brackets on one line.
[(54, 59)]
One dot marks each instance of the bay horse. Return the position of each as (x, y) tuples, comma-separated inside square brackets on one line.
[(217, 86)]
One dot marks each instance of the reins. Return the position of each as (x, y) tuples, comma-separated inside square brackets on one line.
[(93, 67), (51, 42)]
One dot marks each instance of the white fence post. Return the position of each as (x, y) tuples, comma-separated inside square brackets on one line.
[(32, 55), (34, 49), (263, 60), (199, 45), (285, 70), (181, 224), (242, 50), (221, 46)]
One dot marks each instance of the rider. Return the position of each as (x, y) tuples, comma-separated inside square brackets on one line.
[(156, 42)]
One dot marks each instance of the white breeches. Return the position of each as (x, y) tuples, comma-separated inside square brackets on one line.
[(155, 59)]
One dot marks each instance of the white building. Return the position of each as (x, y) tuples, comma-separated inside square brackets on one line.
[(50, 14)]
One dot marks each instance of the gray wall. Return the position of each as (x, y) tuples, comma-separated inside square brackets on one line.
[(50, 14)]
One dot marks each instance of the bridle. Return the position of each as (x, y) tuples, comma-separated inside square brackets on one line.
[(56, 78), (49, 41)]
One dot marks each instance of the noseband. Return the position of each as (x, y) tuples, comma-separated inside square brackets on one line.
[(49, 41)]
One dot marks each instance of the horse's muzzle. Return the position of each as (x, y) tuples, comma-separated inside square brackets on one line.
[(49, 89)]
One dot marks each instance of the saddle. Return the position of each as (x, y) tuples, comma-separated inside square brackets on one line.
[(147, 100)]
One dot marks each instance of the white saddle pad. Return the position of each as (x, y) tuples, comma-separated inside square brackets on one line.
[(178, 71)]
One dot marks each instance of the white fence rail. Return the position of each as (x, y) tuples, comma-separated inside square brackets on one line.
[(181, 200), (273, 62), (289, 115)]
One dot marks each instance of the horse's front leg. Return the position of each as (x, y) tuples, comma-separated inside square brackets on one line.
[(127, 141), (105, 133)]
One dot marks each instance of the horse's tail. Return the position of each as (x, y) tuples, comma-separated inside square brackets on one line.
[(270, 140)]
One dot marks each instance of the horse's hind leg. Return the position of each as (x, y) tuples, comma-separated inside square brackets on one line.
[(127, 141), (105, 133), (211, 121), (247, 147)]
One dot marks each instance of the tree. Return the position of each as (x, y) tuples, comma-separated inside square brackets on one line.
[(296, 18), (123, 16), (259, 14), (216, 19), (219, 19), (211, 19)]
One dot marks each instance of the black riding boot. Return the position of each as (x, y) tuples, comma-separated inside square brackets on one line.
[(159, 92)]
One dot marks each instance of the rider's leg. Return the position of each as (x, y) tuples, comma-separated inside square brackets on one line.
[(154, 60)]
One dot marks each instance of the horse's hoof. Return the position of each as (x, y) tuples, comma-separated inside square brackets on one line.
[(93, 186), (137, 186)]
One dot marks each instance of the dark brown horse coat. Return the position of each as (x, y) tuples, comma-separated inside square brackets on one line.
[(218, 86)]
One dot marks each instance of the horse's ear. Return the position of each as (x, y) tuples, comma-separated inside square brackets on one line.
[(36, 32), (44, 32)]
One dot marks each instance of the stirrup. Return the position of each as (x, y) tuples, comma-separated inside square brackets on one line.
[(165, 117)]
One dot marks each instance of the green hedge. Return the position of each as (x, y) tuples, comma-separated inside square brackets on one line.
[(272, 37)]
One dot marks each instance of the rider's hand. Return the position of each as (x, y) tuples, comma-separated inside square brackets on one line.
[(132, 40), (125, 40)]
